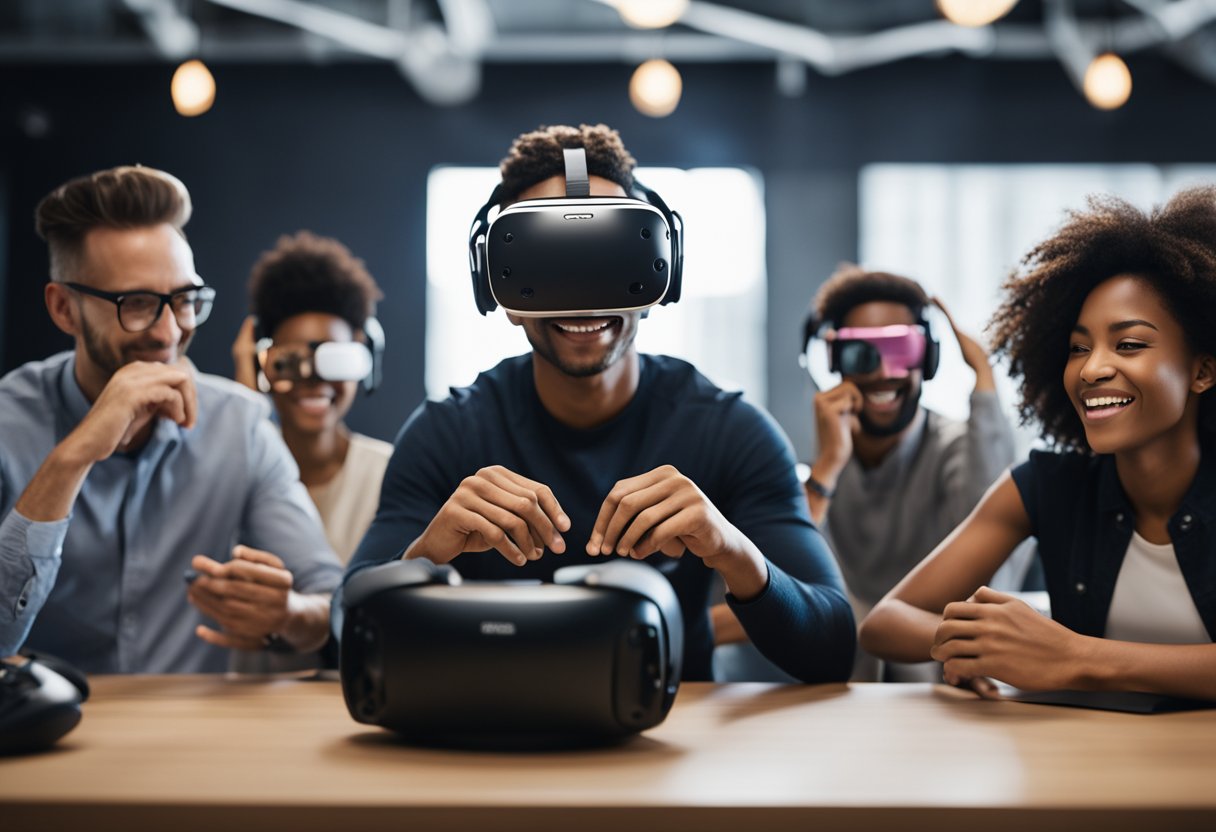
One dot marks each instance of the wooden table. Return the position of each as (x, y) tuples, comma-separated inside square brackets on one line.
[(186, 753)]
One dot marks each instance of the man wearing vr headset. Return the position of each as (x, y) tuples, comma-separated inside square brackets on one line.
[(121, 467), (311, 340), (585, 449), (891, 478)]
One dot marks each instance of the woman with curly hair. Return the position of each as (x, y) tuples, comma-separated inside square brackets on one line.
[(308, 291), (1111, 326)]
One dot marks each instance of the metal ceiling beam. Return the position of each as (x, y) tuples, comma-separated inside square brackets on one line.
[(354, 33), (174, 35), (450, 53)]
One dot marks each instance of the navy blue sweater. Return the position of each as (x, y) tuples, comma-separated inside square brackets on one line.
[(733, 451)]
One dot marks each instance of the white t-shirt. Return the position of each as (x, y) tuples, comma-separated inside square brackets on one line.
[(347, 503), (1151, 603)]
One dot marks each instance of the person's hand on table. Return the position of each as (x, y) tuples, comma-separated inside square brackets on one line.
[(664, 511), (495, 509), (997, 636)]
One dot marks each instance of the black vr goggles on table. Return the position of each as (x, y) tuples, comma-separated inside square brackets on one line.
[(578, 254), (592, 658)]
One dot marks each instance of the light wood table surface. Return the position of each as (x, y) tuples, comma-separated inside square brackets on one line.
[(194, 752)]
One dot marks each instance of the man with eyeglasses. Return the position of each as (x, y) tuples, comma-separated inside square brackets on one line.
[(123, 469)]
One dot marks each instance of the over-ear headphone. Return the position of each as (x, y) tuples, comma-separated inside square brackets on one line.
[(811, 326), (373, 341), (482, 295), (613, 229)]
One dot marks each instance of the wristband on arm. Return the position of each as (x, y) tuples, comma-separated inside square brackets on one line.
[(819, 488)]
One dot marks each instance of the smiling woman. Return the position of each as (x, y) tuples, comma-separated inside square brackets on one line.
[(1130, 368), (312, 299), (1109, 326)]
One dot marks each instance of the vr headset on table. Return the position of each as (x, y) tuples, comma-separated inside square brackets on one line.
[(897, 349), (40, 698), (578, 254), (279, 366), (591, 658)]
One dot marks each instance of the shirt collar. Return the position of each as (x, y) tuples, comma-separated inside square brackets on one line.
[(890, 468), (1196, 501), (1110, 490), (1198, 498), (75, 405)]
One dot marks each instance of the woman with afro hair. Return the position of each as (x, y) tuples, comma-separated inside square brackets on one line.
[(1110, 325), (309, 290)]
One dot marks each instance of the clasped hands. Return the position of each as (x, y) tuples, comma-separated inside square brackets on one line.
[(993, 635), (659, 511)]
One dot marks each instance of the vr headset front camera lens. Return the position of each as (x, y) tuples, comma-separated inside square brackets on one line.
[(858, 358), (895, 349)]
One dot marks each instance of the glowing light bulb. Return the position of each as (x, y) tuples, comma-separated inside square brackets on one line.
[(974, 12), (655, 88), (1108, 82), (192, 88), (650, 14)]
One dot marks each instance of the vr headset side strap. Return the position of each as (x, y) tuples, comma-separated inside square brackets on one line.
[(482, 295), (577, 182), (676, 223), (374, 333)]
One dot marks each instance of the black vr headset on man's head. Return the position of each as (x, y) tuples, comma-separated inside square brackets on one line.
[(578, 254)]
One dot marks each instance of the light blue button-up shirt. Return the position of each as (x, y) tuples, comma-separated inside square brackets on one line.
[(103, 588)]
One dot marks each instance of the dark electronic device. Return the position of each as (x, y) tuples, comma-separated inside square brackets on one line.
[(826, 360), (40, 700), (1131, 702), (589, 659), (577, 255)]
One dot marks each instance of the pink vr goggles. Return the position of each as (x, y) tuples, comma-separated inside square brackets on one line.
[(896, 349)]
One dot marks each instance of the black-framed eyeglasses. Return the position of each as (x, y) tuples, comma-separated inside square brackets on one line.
[(139, 311)]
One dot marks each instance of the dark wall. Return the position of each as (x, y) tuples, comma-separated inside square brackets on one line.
[(344, 151)]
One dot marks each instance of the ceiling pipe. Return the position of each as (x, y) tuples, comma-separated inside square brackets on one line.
[(174, 35)]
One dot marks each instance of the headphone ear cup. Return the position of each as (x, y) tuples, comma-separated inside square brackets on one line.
[(834, 357), (675, 226), (481, 280), (374, 333), (933, 356), (675, 287), (478, 267)]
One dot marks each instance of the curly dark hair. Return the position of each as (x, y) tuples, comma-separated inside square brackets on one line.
[(536, 156), (851, 286), (307, 273), (1173, 249)]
